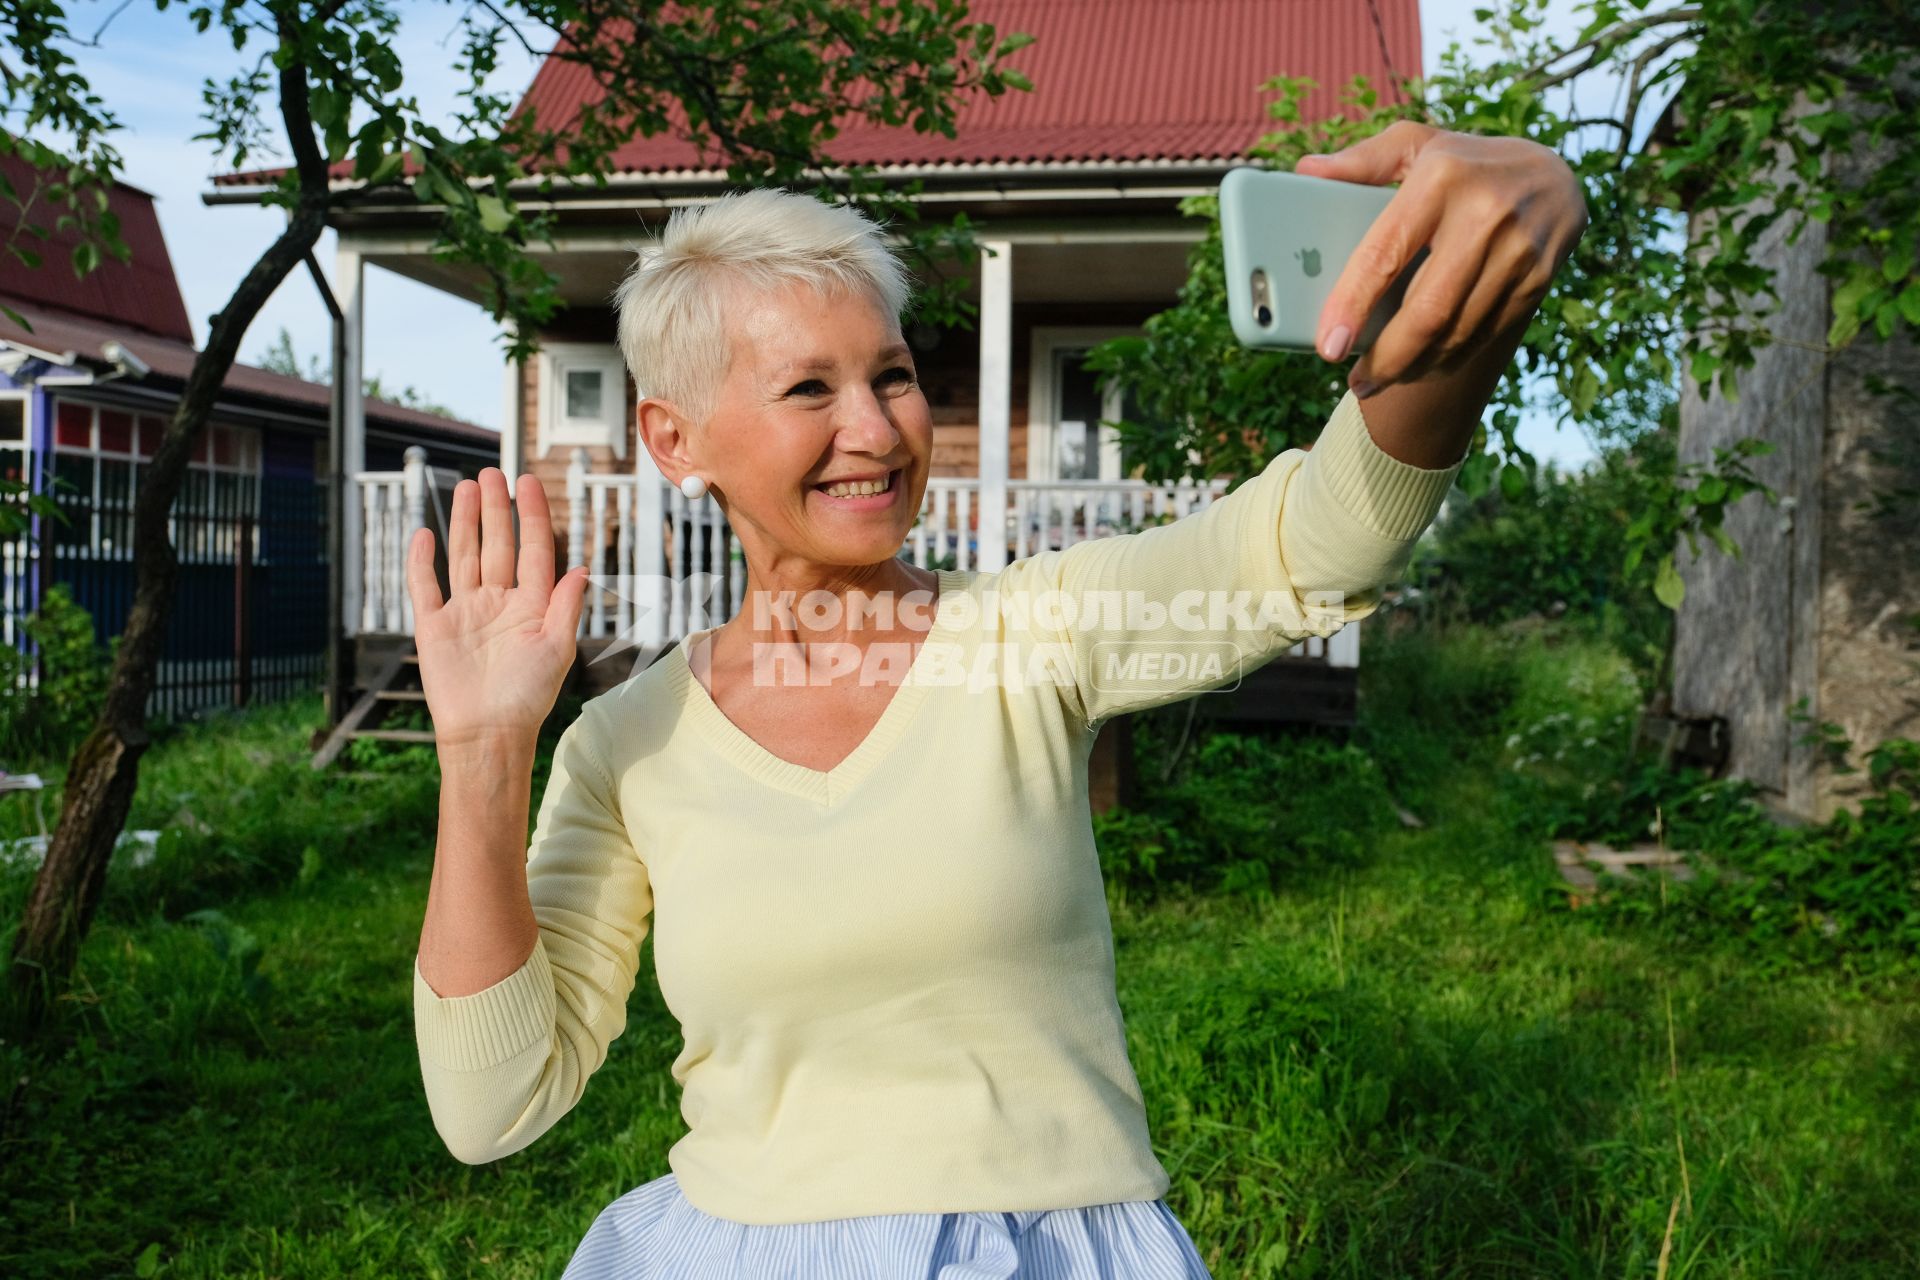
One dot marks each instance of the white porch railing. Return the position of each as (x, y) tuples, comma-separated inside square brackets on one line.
[(392, 505), (664, 565)]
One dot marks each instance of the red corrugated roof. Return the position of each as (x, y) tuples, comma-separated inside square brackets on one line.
[(141, 293), (1113, 80)]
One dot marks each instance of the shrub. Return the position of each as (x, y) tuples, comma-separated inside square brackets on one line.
[(1558, 548), (50, 720), (1845, 892), (1242, 811)]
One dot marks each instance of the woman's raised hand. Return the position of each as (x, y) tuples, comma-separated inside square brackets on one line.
[(494, 655)]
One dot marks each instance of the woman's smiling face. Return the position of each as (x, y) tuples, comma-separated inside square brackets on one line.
[(820, 389)]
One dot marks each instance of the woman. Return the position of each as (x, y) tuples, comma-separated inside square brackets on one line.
[(855, 815)]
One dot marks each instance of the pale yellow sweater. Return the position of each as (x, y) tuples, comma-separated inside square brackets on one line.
[(895, 979)]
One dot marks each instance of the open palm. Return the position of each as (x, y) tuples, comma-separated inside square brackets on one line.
[(494, 655)]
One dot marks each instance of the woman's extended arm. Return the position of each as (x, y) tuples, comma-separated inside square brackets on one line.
[(1309, 544), (1301, 549)]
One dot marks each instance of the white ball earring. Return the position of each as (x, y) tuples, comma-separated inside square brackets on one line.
[(694, 487)]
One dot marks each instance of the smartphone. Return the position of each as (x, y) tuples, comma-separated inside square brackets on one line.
[(1287, 238)]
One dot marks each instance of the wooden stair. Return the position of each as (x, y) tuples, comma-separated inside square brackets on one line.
[(395, 683)]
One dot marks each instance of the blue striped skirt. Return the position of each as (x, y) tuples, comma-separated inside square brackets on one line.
[(654, 1233)]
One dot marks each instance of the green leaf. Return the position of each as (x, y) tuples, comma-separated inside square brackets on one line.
[(1586, 390), (1513, 482), (1842, 331), (1909, 303), (337, 141), (1846, 307), (1703, 365), (1476, 474), (1898, 265), (494, 215), (1711, 490), (86, 256), (1668, 589), (387, 169)]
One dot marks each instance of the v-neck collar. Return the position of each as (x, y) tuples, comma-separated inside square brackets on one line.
[(824, 787)]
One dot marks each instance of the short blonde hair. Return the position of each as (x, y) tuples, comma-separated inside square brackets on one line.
[(671, 305)]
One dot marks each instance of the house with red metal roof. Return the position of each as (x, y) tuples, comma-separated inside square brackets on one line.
[(86, 389), (1073, 190)]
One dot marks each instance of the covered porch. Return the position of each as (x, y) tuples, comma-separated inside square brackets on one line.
[(1021, 462)]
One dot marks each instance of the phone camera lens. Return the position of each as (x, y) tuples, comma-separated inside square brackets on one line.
[(1264, 314)]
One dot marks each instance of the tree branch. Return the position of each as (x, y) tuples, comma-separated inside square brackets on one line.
[(326, 12), (518, 35), (1632, 110), (307, 157), (1604, 43), (107, 21)]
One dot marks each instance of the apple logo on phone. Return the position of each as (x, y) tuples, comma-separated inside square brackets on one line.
[(1309, 261)]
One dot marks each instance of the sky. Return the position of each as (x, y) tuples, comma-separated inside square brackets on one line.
[(148, 66)]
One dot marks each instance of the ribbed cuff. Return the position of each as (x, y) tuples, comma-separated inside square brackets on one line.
[(1392, 498), (482, 1030)]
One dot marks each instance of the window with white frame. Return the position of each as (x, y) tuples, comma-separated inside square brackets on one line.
[(1068, 407), (13, 437), (15, 553), (101, 453), (583, 397)]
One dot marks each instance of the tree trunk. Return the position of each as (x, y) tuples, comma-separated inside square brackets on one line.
[(104, 771)]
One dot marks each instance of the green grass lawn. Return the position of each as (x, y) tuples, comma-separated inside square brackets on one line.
[(1403, 1058)]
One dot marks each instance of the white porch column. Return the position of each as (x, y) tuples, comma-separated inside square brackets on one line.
[(513, 419), (996, 397), (349, 278), (413, 483), (1343, 646), (649, 588)]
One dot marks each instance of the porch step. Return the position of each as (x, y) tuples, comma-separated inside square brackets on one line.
[(395, 683)]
